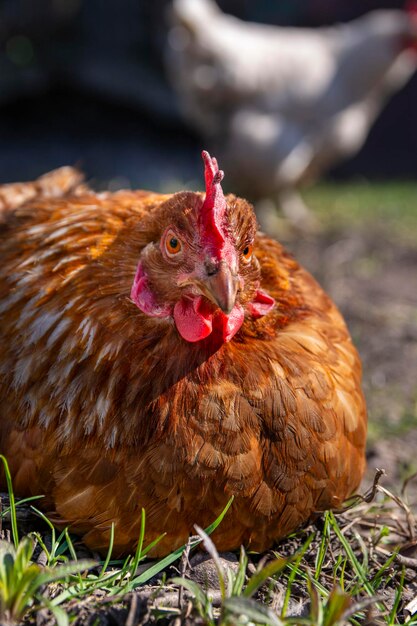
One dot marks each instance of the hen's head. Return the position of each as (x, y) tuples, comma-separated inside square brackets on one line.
[(199, 267)]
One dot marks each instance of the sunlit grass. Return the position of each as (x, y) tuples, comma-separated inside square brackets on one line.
[(358, 201)]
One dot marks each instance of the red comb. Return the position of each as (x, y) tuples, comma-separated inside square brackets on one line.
[(213, 210), (213, 175)]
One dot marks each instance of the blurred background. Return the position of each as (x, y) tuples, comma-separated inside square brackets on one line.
[(132, 91), (85, 82)]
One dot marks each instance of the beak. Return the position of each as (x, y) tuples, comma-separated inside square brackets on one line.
[(221, 287)]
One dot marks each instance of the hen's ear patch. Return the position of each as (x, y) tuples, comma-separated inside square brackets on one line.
[(262, 304), (142, 296)]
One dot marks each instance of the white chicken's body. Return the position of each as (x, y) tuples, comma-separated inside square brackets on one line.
[(282, 104)]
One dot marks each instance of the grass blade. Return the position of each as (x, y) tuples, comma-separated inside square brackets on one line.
[(60, 615), (153, 570), (294, 572), (398, 594), (351, 555), (192, 587), (324, 542), (13, 517), (109, 551), (259, 578), (252, 611), (138, 554), (211, 549)]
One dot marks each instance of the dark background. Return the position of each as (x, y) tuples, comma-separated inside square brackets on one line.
[(82, 82)]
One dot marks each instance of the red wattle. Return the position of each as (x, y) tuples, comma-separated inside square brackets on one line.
[(232, 322), (262, 304), (193, 318)]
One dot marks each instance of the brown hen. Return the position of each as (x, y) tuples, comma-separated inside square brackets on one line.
[(157, 352)]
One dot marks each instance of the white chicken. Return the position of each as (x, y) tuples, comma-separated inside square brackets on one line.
[(278, 104)]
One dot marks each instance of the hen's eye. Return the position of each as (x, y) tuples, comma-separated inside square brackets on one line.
[(173, 245), (247, 252)]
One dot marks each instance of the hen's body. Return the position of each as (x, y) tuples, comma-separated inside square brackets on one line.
[(106, 410)]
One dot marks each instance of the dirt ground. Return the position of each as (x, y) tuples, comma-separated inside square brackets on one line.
[(370, 270)]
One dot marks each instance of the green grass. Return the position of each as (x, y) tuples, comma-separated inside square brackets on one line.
[(358, 201), (346, 571), (383, 429)]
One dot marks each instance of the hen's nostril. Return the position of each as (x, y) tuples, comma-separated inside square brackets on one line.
[(211, 269)]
